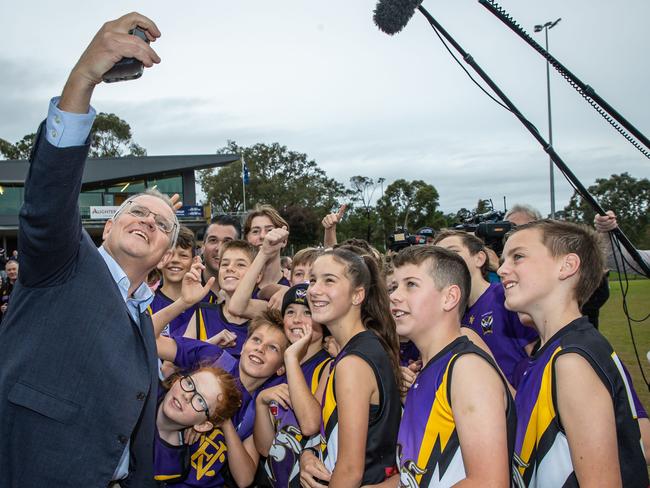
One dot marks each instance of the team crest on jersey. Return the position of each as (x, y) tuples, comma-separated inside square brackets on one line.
[(486, 323), (212, 449)]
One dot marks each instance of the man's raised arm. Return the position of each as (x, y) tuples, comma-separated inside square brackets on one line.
[(50, 223)]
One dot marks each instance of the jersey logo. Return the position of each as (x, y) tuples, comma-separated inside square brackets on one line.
[(486, 323), (202, 460), (286, 441)]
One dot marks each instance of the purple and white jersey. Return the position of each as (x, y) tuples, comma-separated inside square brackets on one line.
[(282, 466), (210, 320), (541, 443), (209, 454), (501, 329), (428, 448), (177, 326)]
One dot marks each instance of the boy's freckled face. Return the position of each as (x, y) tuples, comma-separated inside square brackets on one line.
[(232, 268), (263, 352), (529, 272), (415, 300)]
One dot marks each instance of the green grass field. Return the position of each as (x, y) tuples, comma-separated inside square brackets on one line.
[(613, 325)]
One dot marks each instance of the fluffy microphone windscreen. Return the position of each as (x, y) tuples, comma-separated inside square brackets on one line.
[(391, 16)]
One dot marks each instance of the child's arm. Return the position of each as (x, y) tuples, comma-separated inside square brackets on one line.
[(264, 429), (355, 385), (478, 400), (241, 303), (242, 455), (192, 292), (305, 406), (329, 224), (587, 414)]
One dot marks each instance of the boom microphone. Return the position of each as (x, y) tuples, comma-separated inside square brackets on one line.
[(391, 16)]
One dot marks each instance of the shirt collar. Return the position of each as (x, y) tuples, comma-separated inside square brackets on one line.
[(142, 296)]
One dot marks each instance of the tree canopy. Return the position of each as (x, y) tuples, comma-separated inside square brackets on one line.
[(627, 196)]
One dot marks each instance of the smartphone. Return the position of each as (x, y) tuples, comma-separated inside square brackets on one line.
[(127, 68)]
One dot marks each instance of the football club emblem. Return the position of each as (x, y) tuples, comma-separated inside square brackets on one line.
[(486, 323)]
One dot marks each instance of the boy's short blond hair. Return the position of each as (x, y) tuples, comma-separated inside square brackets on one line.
[(305, 257), (271, 318), (561, 238), (240, 245)]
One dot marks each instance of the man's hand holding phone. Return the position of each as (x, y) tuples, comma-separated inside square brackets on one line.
[(110, 45)]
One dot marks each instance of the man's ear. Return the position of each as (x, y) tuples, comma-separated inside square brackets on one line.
[(204, 427), (570, 266), (107, 229)]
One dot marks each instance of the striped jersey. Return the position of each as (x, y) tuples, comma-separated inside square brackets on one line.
[(541, 442), (428, 448)]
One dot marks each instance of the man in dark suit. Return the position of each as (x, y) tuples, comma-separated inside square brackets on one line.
[(78, 369)]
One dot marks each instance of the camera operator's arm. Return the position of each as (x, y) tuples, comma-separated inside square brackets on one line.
[(607, 223), (330, 222)]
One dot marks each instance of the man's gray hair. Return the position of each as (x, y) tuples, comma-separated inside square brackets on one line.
[(532, 213), (152, 192)]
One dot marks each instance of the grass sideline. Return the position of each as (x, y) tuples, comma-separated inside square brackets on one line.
[(613, 325)]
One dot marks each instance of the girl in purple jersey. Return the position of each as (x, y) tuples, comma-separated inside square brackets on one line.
[(508, 339), (360, 397), (200, 401)]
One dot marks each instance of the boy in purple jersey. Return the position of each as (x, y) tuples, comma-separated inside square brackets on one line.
[(173, 272), (577, 424), (261, 358), (509, 341), (201, 400), (283, 426), (459, 421), (210, 319)]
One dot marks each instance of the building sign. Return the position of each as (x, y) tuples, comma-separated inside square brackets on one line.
[(191, 211), (102, 213)]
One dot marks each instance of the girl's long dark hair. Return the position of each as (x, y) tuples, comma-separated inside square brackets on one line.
[(362, 270)]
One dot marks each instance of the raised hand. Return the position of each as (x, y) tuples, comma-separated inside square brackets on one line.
[(333, 219), (192, 291), (278, 394), (112, 43), (274, 241), (298, 349)]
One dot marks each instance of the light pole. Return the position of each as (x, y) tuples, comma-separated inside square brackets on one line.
[(539, 28)]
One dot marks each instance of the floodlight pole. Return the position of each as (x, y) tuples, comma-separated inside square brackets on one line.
[(539, 28)]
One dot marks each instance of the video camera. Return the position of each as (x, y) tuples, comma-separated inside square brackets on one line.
[(489, 226), (401, 238)]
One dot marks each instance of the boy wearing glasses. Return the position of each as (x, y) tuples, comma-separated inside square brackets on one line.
[(261, 358)]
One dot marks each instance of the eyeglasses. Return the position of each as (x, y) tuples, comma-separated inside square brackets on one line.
[(164, 224), (197, 401)]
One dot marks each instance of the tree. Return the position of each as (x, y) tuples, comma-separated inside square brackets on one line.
[(627, 196), (410, 204), (363, 189), (110, 137), (20, 150), (278, 176)]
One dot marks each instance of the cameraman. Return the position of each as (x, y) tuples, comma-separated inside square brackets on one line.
[(11, 269)]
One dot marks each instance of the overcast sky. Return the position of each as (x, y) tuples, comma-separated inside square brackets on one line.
[(321, 79)]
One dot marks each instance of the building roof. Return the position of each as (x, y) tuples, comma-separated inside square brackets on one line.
[(115, 170)]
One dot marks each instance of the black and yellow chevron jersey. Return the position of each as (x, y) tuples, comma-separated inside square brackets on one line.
[(429, 452), (541, 441), (384, 418)]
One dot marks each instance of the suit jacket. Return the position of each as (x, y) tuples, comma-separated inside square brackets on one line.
[(78, 376)]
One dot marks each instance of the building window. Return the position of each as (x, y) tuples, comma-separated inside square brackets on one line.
[(11, 199), (168, 186)]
